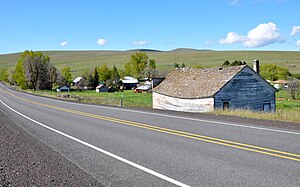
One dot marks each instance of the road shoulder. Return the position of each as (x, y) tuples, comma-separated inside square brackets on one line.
[(25, 161)]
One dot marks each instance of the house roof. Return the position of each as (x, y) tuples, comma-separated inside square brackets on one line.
[(280, 82), (146, 86), (196, 83), (77, 79), (129, 80), (100, 86), (64, 87)]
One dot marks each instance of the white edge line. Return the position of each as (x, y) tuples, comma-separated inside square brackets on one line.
[(161, 176), (166, 115)]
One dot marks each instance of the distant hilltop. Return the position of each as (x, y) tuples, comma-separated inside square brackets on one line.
[(79, 60), (189, 50), (173, 50)]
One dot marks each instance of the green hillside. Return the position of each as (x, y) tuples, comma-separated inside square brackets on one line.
[(79, 60)]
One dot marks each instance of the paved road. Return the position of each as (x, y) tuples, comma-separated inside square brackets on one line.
[(121, 147)]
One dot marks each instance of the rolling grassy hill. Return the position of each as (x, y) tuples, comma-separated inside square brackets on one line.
[(79, 60)]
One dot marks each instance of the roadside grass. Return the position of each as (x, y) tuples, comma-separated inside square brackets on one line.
[(287, 110), (126, 98), (286, 115)]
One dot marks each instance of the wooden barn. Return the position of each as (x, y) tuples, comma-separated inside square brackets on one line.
[(203, 90)]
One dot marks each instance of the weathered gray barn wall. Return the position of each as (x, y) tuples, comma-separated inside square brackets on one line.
[(164, 102), (247, 90)]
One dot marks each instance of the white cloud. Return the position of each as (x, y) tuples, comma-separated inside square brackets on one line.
[(139, 43), (233, 38), (262, 35), (63, 44), (298, 43), (234, 2), (102, 42), (295, 30)]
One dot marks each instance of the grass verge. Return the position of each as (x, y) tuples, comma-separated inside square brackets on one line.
[(280, 115), (287, 110)]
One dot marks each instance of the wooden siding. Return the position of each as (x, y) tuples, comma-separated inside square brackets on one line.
[(179, 104), (246, 90)]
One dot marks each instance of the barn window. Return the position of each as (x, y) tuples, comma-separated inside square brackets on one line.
[(225, 105), (266, 107)]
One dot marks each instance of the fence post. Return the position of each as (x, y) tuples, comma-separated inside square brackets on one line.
[(121, 100)]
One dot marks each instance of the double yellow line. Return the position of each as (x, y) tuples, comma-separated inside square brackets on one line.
[(227, 143)]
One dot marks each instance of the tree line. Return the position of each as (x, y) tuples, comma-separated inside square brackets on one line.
[(35, 71)]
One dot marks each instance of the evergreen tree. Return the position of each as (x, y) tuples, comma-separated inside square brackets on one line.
[(95, 78), (226, 63)]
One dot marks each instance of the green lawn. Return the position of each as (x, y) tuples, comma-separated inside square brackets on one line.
[(285, 102), (128, 97)]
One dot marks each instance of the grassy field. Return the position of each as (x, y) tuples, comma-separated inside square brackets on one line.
[(127, 97), (79, 60)]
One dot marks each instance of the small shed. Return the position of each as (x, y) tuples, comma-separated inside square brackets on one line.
[(63, 89), (101, 88), (203, 90)]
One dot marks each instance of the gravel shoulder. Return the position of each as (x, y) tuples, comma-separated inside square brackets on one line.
[(25, 161)]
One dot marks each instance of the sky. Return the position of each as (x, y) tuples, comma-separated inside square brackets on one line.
[(155, 24)]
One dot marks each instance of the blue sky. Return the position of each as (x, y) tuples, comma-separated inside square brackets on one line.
[(155, 24)]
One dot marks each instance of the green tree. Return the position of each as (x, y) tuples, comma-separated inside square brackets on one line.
[(32, 70), (226, 63), (121, 73), (88, 78), (10, 72), (183, 65), (104, 73), (95, 78), (237, 63), (137, 64), (52, 75), (128, 69), (115, 76), (19, 75), (66, 76), (176, 65), (273, 72), (4, 75), (151, 69), (35, 66)]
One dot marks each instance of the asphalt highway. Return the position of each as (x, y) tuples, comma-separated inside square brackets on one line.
[(127, 147)]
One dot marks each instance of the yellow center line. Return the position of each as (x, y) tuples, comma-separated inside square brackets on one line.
[(228, 143)]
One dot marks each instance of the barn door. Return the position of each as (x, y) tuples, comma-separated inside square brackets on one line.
[(225, 105)]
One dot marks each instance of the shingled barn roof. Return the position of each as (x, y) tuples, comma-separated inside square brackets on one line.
[(196, 83)]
